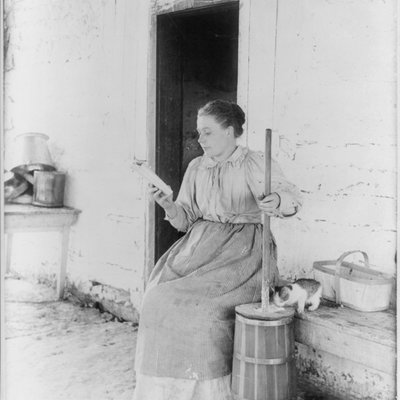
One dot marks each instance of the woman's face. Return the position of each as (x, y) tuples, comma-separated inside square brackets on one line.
[(216, 141)]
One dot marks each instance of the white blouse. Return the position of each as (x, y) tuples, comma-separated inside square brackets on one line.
[(228, 191)]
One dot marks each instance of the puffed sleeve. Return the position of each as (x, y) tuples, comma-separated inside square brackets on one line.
[(291, 199), (187, 209)]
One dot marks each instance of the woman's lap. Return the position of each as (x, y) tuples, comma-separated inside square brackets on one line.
[(186, 323)]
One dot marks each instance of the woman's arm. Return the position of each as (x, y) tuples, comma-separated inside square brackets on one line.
[(183, 212), (164, 200), (290, 197), (284, 200)]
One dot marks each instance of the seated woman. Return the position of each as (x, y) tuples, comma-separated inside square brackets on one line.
[(185, 340)]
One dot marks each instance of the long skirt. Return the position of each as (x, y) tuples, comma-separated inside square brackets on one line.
[(187, 317), (155, 388)]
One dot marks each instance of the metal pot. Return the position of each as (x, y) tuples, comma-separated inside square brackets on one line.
[(30, 152), (48, 188)]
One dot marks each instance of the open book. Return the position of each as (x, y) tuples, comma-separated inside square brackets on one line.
[(151, 177)]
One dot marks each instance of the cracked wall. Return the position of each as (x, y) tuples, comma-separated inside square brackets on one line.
[(77, 71), (335, 130), (74, 71)]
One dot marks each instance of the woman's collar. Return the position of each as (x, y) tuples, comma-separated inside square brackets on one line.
[(236, 157)]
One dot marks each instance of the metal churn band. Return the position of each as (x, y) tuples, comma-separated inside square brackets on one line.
[(264, 361), (257, 322)]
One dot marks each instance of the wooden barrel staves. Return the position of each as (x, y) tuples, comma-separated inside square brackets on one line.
[(263, 359)]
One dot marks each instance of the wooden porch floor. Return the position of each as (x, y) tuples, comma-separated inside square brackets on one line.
[(60, 350)]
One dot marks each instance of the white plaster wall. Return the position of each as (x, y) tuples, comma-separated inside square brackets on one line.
[(75, 71), (334, 126)]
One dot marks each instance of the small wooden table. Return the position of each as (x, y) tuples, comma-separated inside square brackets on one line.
[(29, 218)]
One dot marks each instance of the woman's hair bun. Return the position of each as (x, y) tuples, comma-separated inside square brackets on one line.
[(226, 113), (239, 113)]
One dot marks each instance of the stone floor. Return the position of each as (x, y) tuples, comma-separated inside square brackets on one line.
[(59, 350)]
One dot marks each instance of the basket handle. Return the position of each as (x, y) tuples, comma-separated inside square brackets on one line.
[(337, 270)]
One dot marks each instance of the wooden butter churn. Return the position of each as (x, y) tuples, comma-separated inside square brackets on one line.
[(263, 356)]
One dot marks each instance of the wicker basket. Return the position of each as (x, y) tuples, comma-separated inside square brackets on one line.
[(354, 286)]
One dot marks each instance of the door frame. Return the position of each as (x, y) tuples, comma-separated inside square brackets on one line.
[(255, 87)]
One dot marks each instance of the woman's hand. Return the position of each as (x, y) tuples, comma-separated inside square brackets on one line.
[(164, 200), (269, 204)]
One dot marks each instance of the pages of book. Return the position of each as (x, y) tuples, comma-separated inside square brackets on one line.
[(151, 177)]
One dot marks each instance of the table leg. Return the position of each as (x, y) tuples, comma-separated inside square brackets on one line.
[(63, 265), (9, 250)]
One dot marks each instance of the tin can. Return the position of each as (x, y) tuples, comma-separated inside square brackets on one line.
[(48, 188)]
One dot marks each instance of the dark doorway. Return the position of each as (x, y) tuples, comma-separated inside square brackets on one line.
[(197, 61)]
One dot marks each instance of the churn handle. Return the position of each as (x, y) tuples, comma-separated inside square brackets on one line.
[(266, 259)]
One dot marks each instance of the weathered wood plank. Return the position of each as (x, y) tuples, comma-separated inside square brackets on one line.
[(342, 377), (168, 6), (151, 141), (257, 44), (243, 62), (40, 222), (375, 326), (365, 338), (28, 209)]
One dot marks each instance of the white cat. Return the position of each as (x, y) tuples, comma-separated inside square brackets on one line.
[(301, 292)]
